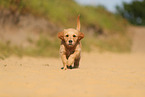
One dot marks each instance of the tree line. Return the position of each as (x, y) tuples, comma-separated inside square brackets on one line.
[(134, 12)]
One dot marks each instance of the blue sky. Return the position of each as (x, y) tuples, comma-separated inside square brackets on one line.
[(109, 4)]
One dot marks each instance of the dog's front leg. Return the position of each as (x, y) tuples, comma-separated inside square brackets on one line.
[(64, 61), (72, 58)]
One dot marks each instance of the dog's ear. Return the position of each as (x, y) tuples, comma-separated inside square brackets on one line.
[(60, 35), (80, 36)]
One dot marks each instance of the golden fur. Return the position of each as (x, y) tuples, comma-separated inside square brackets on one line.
[(70, 48)]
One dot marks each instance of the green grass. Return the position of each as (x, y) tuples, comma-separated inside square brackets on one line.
[(64, 13), (112, 44), (43, 48), (46, 47)]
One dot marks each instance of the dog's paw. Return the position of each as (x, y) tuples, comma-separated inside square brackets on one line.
[(69, 67), (64, 68)]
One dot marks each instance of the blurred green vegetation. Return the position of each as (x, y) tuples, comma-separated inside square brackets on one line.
[(63, 13), (112, 44), (134, 12), (44, 47)]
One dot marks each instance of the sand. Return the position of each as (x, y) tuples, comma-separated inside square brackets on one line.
[(99, 75)]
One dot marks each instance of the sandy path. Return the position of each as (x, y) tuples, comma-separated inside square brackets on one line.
[(102, 75), (99, 75)]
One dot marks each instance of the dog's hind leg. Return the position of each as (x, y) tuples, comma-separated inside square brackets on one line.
[(76, 63)]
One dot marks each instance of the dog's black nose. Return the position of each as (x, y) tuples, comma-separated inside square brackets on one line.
[(70, 41)]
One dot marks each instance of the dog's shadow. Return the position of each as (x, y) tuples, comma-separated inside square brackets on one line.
[(70, 67)]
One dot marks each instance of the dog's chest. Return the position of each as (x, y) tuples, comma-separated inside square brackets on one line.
[(69, 52)]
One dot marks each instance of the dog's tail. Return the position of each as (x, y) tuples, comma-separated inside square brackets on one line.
[(78, 23)]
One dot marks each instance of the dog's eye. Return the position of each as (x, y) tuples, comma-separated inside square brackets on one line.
[(66, 35), (74, 35)]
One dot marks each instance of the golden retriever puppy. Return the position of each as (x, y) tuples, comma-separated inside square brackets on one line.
[(70, 48)]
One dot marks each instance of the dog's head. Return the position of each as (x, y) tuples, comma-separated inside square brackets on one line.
[(71, 36)]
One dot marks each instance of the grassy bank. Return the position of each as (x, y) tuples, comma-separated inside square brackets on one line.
[(41, 48), (45, 47), (63, 13)]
